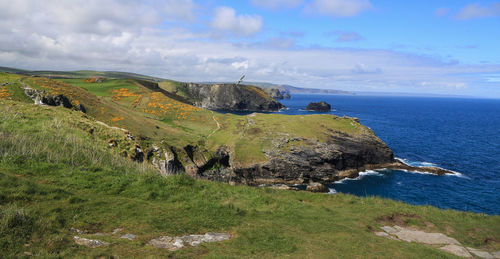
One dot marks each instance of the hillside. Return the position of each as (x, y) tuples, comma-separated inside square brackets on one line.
[(98, 171), (55, 175)]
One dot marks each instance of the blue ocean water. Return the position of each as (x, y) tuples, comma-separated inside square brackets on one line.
[(458, 134)]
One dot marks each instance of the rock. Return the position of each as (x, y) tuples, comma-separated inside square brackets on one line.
[(76, 230), (480, 253), (57, 100), (409, 235), (382, 234), (128, 236), (41, 97), (166, 242), (175, 243), (81, 108), (278, 186), (317, 187), (308, 160), (231, 97), (170, 165), (389, 229), (275, 93), (215, 237), (456, 250), (138, 155), (320, 106), (92, 243), (287, 96), (496, 254)]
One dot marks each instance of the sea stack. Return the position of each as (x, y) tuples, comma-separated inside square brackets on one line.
[(320, 106)]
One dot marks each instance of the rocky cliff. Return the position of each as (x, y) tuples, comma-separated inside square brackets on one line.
[(277, 94), (230, 97)]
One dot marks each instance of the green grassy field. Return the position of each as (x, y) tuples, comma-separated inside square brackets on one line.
[(55, 174)]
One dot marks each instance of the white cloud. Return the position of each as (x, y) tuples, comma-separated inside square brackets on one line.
[(132, 36), (180, 9), (276, 4), (472, 11), (227, 21), (339, 8)]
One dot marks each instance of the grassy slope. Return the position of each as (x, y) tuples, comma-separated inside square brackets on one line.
[(55, 175), (125, 103)]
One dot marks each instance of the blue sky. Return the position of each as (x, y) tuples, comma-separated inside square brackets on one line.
[(442, 47)]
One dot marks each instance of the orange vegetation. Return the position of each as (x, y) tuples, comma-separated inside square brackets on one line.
[(160, 105), (93, 79), (118, 94), (115, 119), (4, 93)]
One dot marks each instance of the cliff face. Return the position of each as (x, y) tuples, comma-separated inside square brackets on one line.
[(231, 97), (277, 94), (305, 160)]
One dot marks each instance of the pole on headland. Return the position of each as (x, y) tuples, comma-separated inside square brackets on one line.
[(239, 81)]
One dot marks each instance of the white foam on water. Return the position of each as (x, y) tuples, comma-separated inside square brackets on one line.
[(361, 175), (332, 191)]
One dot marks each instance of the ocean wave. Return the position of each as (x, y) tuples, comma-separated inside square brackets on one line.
[(361, 175)]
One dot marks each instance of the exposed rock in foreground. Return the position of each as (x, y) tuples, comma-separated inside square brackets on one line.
[(444, 242), (176, 243), (320, 106), (231, 97), (89, 242)]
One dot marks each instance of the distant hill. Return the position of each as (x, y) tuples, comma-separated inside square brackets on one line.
[(80, 74)]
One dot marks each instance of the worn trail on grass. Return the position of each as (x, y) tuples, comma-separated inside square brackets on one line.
[(216, 122)]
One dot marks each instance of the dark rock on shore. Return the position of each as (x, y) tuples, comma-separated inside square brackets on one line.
[(320, 106), (316, 187)]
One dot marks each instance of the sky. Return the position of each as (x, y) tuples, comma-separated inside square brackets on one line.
[(427, 46)]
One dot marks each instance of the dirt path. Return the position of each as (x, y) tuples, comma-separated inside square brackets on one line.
[(218, 126)]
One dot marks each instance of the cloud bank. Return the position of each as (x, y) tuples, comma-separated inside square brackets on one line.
[(147, 38)]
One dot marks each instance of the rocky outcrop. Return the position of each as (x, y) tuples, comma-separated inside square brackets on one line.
[(277, 94), (301, 161), (231, 97), (310, 163), (320, 106), (41, 97)]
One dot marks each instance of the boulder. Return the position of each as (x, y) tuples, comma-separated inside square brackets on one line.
[(317, 187), (89, 242), (320, 106)]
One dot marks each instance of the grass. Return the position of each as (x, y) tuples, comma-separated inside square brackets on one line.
[(55, 174), (105, 87), (154, 117)]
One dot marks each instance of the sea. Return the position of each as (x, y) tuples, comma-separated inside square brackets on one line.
[(458, 134)]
